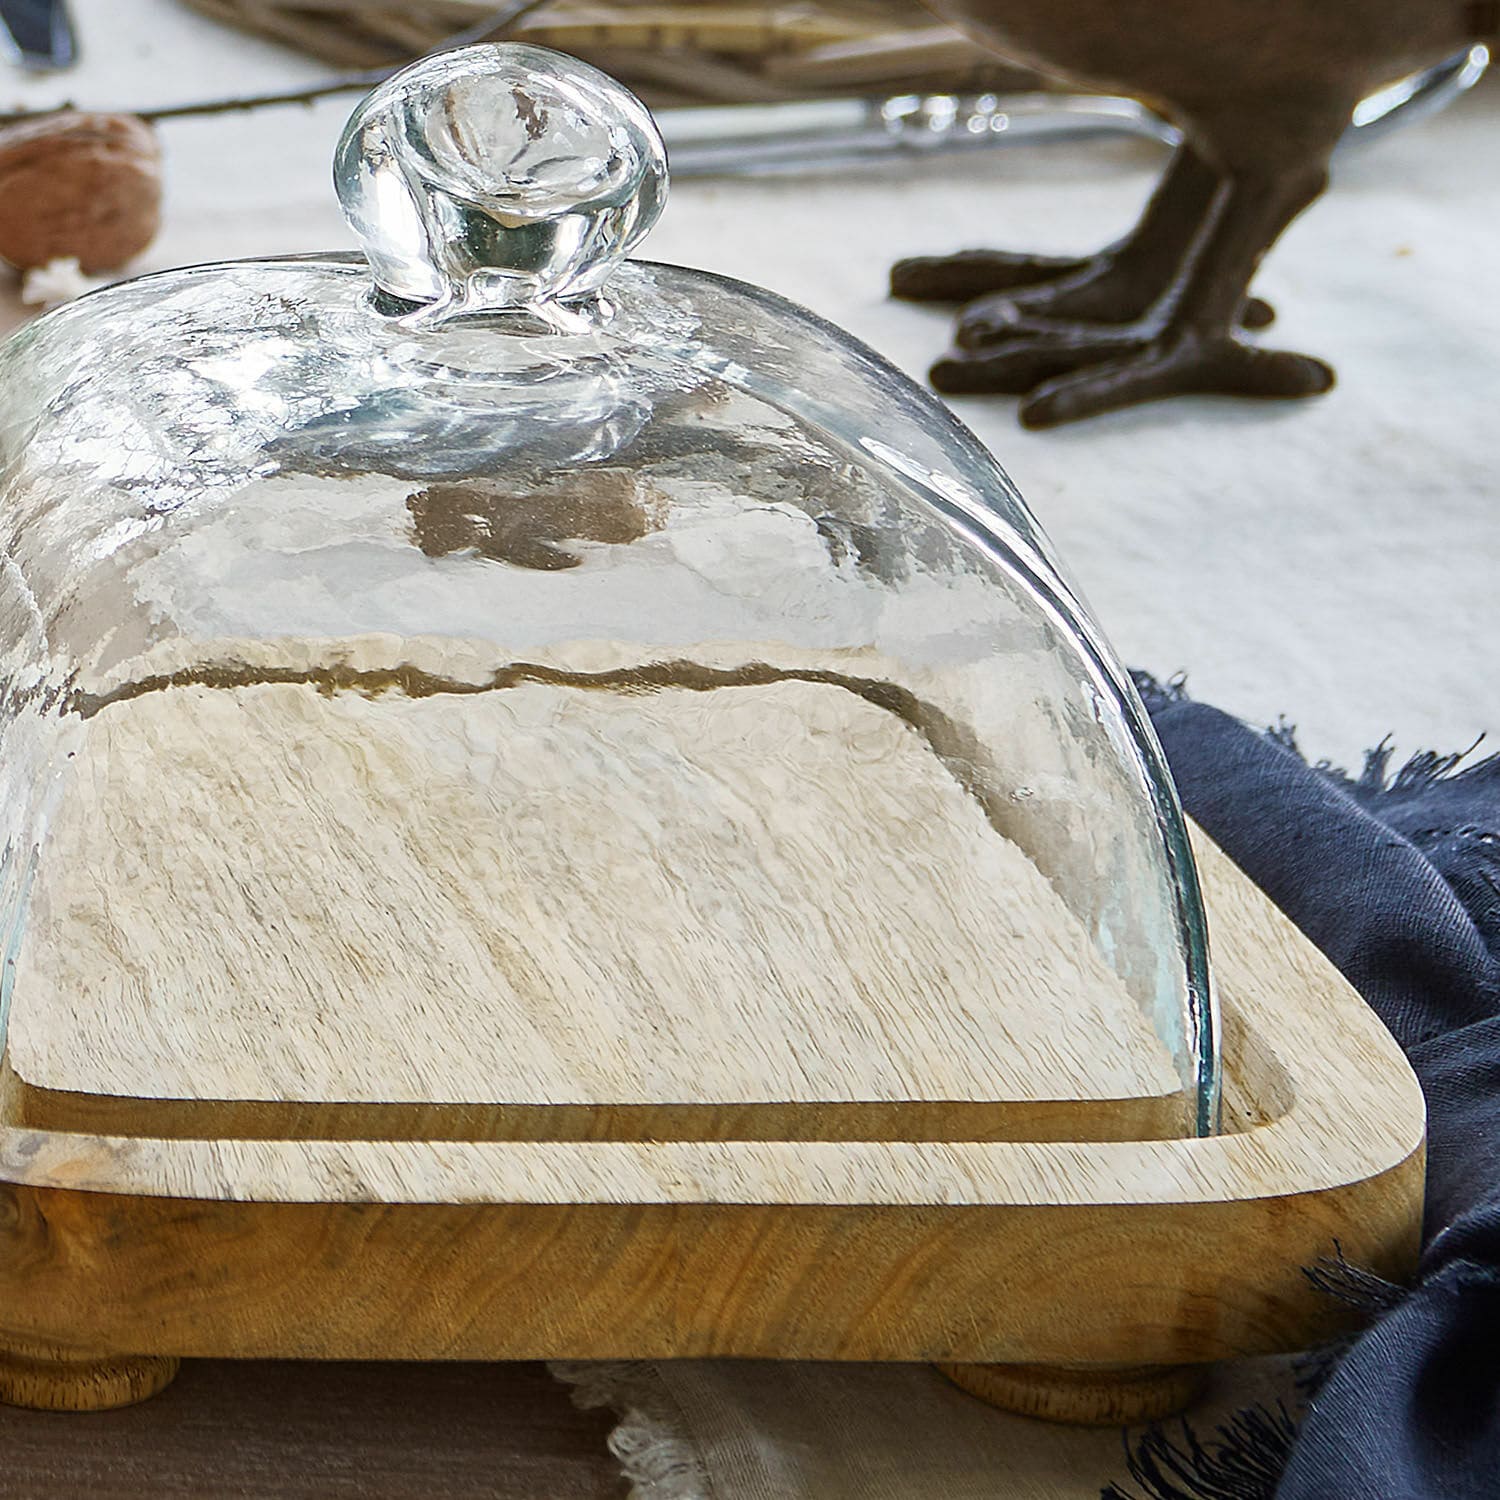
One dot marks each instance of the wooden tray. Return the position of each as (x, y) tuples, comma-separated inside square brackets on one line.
[(670, 52), (493, 1145)]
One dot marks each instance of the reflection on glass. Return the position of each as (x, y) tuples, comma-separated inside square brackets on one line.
[(338, 569)]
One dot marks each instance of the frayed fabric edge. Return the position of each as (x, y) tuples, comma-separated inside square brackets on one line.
[(651, 1440), (1376, 782), (1242, 1460)]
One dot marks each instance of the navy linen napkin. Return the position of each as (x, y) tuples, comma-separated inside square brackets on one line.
[(1397, 880)]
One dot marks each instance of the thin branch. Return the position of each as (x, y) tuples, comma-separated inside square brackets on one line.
[(348, 84)]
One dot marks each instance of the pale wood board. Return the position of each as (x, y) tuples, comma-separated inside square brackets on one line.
[(665, 913)]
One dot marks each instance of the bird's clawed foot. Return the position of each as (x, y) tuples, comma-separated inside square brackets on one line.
[(1074, 372), (1106, 288), (972, 273), (1032, 352)]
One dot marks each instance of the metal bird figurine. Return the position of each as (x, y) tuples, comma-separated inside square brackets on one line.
[(1261, 91)]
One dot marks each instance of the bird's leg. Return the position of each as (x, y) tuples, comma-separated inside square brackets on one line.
[(1124, 282), (1117, 285), (1195, 349)]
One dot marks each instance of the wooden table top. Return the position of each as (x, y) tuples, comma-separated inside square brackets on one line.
[(270, 1430)]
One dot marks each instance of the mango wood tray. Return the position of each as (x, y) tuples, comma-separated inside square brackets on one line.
[(118, 1254), (266, 1166)]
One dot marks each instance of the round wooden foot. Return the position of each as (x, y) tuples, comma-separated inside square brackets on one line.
[(61, 1381), (1111, 1397)]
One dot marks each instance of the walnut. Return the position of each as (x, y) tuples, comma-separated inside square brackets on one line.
[(79, 186)]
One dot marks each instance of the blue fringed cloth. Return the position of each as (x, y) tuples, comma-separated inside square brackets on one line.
[(1397, 880)]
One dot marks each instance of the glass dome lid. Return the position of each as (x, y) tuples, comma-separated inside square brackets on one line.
[(489, 614)]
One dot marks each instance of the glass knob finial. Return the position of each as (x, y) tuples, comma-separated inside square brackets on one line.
[(499, 176)]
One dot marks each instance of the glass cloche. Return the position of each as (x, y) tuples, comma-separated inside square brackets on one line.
[(491, 615)]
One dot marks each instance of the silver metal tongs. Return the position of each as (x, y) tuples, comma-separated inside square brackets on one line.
[(763, 139)]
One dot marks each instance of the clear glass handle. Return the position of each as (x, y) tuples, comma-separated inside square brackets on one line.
[(498, 177)]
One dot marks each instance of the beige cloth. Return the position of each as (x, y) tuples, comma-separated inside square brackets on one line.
[(761, 1430)]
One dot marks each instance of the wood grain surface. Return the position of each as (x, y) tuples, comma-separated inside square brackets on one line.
[(550, 911), (1152, 1252), (45, 1378), (1085, 1397), (329, 1431)]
